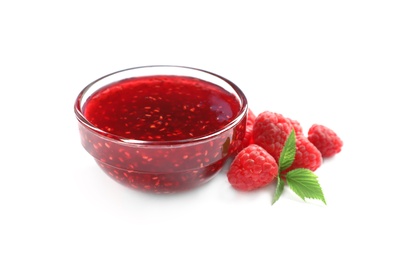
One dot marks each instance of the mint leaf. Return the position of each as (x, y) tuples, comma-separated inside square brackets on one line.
[(288, 152), (279, 189), (305, 184)]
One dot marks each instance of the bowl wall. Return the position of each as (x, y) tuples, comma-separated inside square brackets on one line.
[(161, 166)]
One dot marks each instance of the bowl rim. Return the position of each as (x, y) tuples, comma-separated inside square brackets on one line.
[(116, 138)]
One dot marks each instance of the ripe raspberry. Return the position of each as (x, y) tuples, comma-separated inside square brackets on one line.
[(326, 140), (270, 131), (297, 127), (251, 117), (307, 155), (252, 168), (248, 136)]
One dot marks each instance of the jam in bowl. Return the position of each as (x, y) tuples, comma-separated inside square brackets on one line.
[(161, 129)]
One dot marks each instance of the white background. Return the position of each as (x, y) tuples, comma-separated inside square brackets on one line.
[(335, 63)]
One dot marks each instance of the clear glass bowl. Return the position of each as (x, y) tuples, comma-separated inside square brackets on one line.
[(161, 166)]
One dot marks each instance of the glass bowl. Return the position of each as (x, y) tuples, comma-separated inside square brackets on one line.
[(161, 163)]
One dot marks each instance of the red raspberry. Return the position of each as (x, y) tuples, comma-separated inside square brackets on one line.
[(248, 136), (307, 155), (252, 168), (270, 131), (297, 127), (326, 140), (251, 117)]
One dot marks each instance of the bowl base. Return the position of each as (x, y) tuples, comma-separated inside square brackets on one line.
[(162, 183)]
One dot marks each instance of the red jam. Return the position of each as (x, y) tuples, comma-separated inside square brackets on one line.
[(161, 108)]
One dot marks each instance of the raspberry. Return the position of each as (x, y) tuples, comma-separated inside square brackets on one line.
[(270, 131), (251, 117), (297, 127), (248, 136), (307, 155), (326, 140), (252, 168)]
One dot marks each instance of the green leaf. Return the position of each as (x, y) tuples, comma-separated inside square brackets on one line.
[(305, 184), (279, 189), (288, 152)]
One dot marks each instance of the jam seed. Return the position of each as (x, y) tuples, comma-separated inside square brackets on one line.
[(127, 155)]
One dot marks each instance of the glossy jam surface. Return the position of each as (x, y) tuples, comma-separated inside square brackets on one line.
[(161, 108)]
